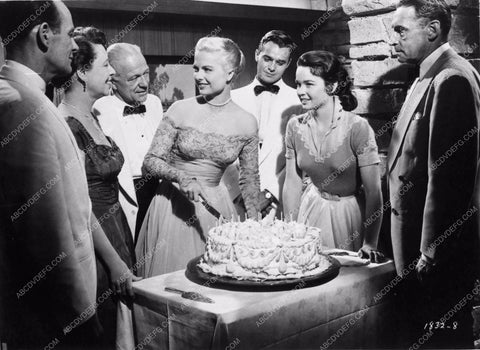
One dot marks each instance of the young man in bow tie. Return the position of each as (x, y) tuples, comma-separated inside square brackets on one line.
[(131, 117), (272, 102)]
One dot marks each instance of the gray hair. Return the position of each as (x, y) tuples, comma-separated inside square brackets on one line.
[(118, 51), (431, 10)]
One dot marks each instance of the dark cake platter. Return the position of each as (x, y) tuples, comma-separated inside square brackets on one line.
[(197, 275)]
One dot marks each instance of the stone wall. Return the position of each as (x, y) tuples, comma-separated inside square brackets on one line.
[(360, 30)]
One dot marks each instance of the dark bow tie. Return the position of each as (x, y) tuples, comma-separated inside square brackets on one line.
[(134, 110), (258, 89)]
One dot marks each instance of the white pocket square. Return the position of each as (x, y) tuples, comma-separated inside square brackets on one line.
[(417, 116)]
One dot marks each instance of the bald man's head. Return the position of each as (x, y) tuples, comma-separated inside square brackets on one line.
[(130, 82)]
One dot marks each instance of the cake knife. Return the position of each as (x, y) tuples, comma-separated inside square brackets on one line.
[(190, 295), (209, 208)]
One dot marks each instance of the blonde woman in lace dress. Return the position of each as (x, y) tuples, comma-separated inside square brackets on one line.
[(198, 138), (332, 174)]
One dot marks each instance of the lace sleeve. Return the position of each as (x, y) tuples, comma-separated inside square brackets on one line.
[(249, 179), (156, 160)]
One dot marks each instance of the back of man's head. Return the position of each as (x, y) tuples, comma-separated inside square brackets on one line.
[(19, 18), (431, 10)]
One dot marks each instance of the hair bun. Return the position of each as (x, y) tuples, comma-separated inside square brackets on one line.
[(330, 68), (233, 55)]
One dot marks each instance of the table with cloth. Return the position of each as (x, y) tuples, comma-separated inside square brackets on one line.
[(354, 310)]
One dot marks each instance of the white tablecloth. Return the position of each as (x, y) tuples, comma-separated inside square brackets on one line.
[(348, 311)]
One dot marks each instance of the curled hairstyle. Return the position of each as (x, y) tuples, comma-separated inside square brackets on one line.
[(85, 38), (431, 10), (233, 55), (327, 66), (18, 18), (279, 37)]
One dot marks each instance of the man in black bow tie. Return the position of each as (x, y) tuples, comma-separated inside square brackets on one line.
[(131, 117), (272, 102)]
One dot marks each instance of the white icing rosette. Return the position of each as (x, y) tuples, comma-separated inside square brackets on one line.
[(262, 250)]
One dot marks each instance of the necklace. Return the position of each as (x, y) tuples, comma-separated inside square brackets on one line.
[(86, 115), (217, 104), (83, 113), (89, 118)]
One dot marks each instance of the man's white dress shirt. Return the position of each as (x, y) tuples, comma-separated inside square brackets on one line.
[(133, 134)]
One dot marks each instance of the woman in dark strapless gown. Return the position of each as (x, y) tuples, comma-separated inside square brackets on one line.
[(102, 165), (195, 142), (103, 162)]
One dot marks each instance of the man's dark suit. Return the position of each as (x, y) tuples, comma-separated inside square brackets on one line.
[(432, 165)]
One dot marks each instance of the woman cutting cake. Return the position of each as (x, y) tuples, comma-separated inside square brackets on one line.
[(198, 138), (332, 174)]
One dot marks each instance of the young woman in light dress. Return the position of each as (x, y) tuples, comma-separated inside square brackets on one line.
[(332, 173)]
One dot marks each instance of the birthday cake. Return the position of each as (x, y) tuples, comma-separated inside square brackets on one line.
[(259, 250)]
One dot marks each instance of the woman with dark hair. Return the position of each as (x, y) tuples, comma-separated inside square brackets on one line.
[(197, 139), (90, 80), (332, 177)]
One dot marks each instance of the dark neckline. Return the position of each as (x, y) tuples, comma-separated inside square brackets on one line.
[(91, 139)]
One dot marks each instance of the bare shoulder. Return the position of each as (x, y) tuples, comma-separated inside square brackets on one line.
[(244, 121), (180, 111), (153, 101)]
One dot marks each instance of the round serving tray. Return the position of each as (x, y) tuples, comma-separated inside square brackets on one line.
[(197, 275)]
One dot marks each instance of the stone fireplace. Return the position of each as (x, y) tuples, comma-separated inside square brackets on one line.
[(360, 31)]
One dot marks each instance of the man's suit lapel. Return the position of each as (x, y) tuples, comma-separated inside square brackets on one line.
[(405, 118), (111, 126), (272, 134), (277, 113), (410, 105), (266, 146), (10, 74), (124, 177)]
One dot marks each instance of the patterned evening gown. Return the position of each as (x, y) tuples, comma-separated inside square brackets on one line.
[(174, 230), (102, 164)]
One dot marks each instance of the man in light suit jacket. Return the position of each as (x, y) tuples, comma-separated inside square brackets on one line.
[(47, 267), (432, 166), (272, 102), (131, 117), (48, 232)]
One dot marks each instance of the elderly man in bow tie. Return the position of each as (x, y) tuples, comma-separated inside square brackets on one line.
[(272, 102), (131, 117)]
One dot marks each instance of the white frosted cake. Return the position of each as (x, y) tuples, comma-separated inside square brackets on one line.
[(253, 250)]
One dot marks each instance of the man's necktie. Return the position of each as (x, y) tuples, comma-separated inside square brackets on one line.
[(134, 109), (258, 89), (416, 73)]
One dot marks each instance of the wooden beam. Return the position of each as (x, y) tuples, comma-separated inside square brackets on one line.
[(200, 8), (295, 4)]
